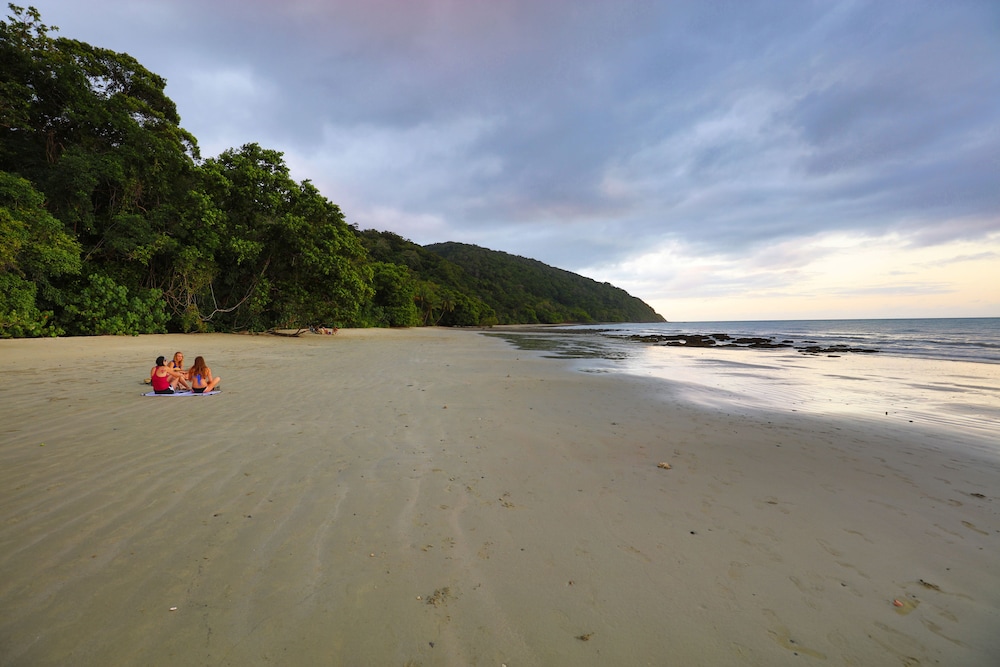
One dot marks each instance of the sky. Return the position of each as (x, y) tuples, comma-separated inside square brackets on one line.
[(738, 160)]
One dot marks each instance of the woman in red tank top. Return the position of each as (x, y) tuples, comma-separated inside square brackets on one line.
[(161, 375)]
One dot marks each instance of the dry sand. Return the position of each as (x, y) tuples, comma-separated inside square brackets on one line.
[(436, 497)]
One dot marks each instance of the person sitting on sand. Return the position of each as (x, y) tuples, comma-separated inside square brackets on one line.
[(177, 363), (162, 376), (200, 377)]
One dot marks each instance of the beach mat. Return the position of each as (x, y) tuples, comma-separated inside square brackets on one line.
[(183, 393)]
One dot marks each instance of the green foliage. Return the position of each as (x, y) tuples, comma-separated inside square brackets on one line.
[(186, 262), (464, 285), (469, 310), (95, 133), (290, 260), (103, 307), (34, 249), (444, 294), (32, 242), (393, 302), (19, 314), (522, 290)]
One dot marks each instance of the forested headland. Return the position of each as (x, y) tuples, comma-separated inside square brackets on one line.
[(111, 222)]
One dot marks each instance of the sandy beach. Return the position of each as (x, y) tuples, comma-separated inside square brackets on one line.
[(438, 497)]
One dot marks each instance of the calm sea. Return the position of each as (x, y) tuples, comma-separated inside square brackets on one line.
[(961, 339), (936, 372)]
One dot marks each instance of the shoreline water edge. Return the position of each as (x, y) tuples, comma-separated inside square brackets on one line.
[(445, 497), (939, 372)]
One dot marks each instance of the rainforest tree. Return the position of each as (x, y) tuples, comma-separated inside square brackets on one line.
[(283, 254), (94, 132), (34, 249)]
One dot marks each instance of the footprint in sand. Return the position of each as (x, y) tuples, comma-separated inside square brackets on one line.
[(782, 636), (972, 526)]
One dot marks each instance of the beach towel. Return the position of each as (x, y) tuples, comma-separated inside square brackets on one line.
[(183, 393)]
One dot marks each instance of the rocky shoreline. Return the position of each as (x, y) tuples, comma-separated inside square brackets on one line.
[(755, 343)]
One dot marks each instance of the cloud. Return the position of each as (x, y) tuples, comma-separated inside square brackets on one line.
[(989, 256)]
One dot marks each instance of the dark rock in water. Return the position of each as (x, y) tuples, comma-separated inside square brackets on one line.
[(755, 343), (752, 341), (767, 345), (695, 340), (699, 341)]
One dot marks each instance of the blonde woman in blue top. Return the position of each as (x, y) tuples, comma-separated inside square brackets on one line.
[(177, 363)]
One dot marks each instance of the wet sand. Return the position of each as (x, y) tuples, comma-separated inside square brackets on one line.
[(437, 497)]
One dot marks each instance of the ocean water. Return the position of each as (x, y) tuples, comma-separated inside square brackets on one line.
[(939, 373), (961, 339)]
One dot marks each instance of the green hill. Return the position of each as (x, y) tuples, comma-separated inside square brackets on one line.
[(455, 284), (526, 291)]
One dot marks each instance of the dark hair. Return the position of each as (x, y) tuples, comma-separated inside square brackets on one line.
[(159, 361)]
